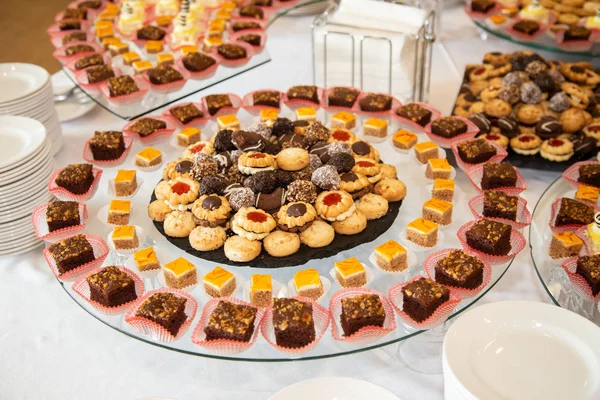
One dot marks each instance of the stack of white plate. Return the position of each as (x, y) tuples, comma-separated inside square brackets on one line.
[(27, 91), (521, 350), (26, 164)]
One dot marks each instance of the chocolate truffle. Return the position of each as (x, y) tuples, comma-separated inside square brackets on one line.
[(261, 182), (282, 126), (326, 177), (302, 190), (342, 162)]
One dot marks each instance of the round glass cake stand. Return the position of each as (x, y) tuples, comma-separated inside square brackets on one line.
[(554, 279), (419, 191), (542, 42)]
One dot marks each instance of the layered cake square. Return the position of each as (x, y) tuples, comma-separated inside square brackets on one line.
[(375, 127), (573, 212), (587, 193), (308, 284), (165, 309), (62, 214), (125, 182), (148, 157), (404, 139), (426, 150), (293, 323), (391, 256), (422, 232), (130, 57), (350, 273), (438, 168), (230, 321), (111, 287), (268, 115), (438, 211), (119, 212), (497, 204), (180, 273), (565, 244), (361, 311), (588, 267), (490, 237), (498, 175), (146, 259), (107, 145), (261, 290), (219, 283), (228, 121), (343, 120), (306, 114), (71, 253), (124, 237), (76, 178), (443, 189), (459, 269), (188, 136), (421, 298)]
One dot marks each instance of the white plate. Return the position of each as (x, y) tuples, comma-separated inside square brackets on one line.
[(25, 165), (68, 110), (19, 80), (523, 350), (334, 388), (19, 138)]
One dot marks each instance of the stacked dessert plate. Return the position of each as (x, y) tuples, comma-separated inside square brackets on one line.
[(25, 166), (27, 91)]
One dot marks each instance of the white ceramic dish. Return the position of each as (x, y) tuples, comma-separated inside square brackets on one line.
[(19, 138), (334, 388), (19, 80)]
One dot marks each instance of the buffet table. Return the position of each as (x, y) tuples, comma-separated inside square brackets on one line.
[(52, 349)]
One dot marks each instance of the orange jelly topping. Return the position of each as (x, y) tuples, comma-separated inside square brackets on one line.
[(257, 155), (341, 135), (198, 148), (332, 199), (256, 216), (365, 164), (180, 188)]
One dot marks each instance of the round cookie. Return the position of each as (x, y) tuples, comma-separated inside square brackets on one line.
[(390, 189), (179, 224), (281, 244), (497, 108), (373, 206), (388, 171), (529, 113), (158, 210), (319, 234), (239, 249), (355, 223), (292, 159), (572, 120), (207, 239)]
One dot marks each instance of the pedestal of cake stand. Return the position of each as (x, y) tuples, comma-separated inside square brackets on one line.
[(423, 353)]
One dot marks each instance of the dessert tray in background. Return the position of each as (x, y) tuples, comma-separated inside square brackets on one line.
[(320, 150), (543, 112)]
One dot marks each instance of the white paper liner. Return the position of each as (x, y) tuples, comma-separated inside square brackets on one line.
[(64, 195), (100, 252), (158, 136)]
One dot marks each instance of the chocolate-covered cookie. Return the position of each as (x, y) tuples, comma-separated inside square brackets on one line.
[(271, 202), (282, 126), (508, 127), (248, 141), (262, 182), (548, 127), (223, 140), (321, 149), (291, 140), (184, 166), (481, 121), (215, 184)]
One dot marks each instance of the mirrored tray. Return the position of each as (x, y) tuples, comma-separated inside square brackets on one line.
[(553, 277), (419, 190)]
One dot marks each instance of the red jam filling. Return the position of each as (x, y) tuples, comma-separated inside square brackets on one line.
[(180, 188), (257, 155), (198, 148), (594, 128), (256, 216), (341, 135), (556, 142), (332, 199), (479, 71), (364, 164), (492, 137), (526, 139)]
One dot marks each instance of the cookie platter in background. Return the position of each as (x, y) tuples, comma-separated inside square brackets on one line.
[(433, 261), (544, 112)]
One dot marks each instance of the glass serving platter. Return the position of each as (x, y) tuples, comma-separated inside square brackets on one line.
[(419, 190), (553, 277)]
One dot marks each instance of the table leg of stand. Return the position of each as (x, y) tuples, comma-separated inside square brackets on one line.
[(423, 353)]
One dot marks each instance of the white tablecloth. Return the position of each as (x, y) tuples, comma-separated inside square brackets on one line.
[(52, 349)]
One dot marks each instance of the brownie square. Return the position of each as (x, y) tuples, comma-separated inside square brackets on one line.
[(251, 11), (150, 32), (186, 113), (215, 102), (526, 26), (166, 309), (588, 267), (62, 214), (76, 178), (78, 48), (88, 61), (589, 174), (476, 151), (231, 321), (360, 311), (107, 145), (71, 253), (268, 98), (497, 204), (375, 102), (482, 6), (250, 38), (245, 25), (573, 212), (111, 287), (99, 73), (449, 127), (498, 175), (293, 323), (163, 74), (308, 93), (422, 297), (577, 33), (459, 269), (74, 37), (490, 237), (231, 51), (197, 62), (147, 126), (69, 25), (121, 85), (415, 113), (343, 97)]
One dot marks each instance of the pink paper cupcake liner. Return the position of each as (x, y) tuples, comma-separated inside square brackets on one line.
[(297, 103), (501, 154), (207, 73), (375, 114), (435, 114), (169, 87), (472, 131), (580, 285), (131, 98), (439, 316), (325, 100), (370, 333), (92, 13), (320, 317), (523, 214), (576, 45), (236, 103), (199, 122), (571, 174), (266, 10), (248, 101), (479, 16), (100, 249), (156, 136), (59, 15), (517, 243), (82, 288), (224, 346), (54, 29), (233, 38), (432, 261), (82, 79), (234, 63), (476, 173), (89, 157), (555, 208), (520, 36), (57, 38), (38, 219), (71, 64), (154, 330), (60, 55), (64, 195), (233, 20)]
